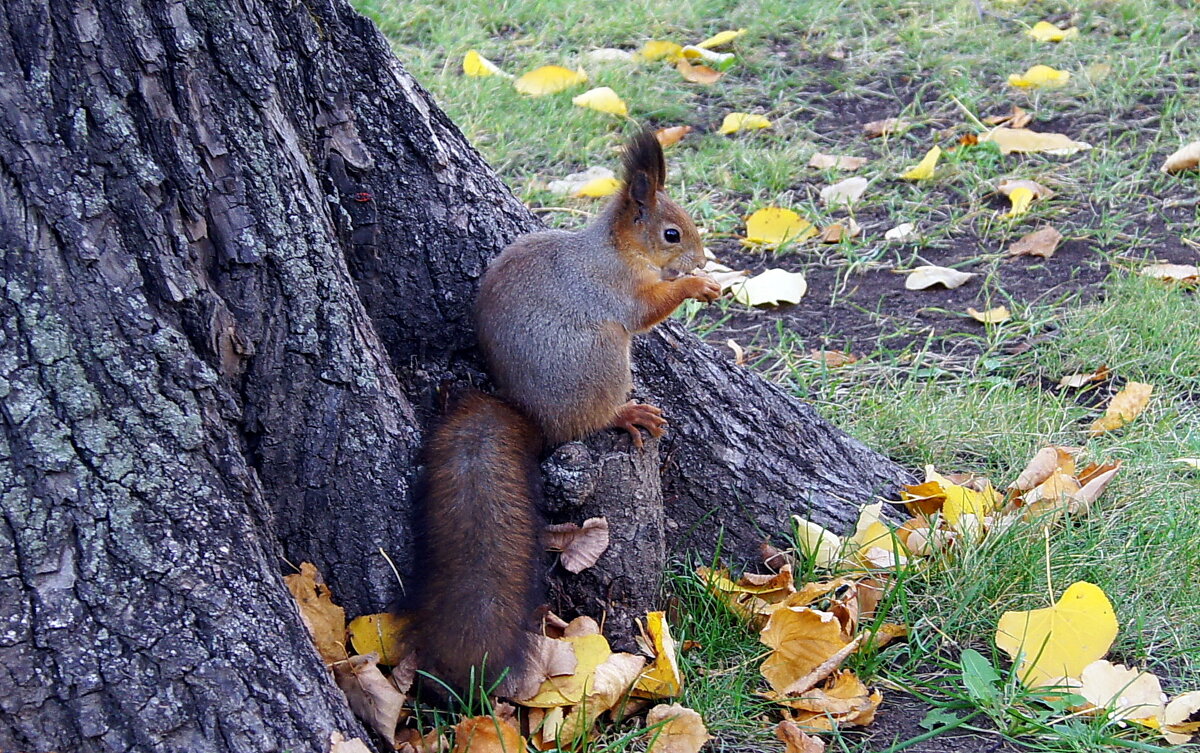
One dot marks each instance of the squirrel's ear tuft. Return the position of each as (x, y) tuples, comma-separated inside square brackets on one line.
[(645, 168)]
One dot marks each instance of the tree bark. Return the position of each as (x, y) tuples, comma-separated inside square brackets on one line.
[(240, 245)]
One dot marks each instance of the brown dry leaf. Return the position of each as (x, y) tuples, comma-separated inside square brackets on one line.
[(409, 740), (885, 127), (662, 679), (1039, 191), (929, 275), (682, 730), (796, 741), (1042, 242), (326, 621), (838, 161), (1186, 158), (833, 359), (696, 73), (339, 744), (1172, 272), (580, 546), (1043, 465), (487, 734), (837, 231), (1094, 479), (547, 658), (1016, 118), (590, 652), (1078, 380), (843, 700), (372, 697), (581, 625), (672, 135), (802, 639), (1125, 406)]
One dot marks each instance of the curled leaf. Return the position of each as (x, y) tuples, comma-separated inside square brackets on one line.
[(475, 64), (1041, 242), (743, 121), (1044, 31), (1040, 76), (1185, 158), (929, 275), (924, 169), (602, 99), (774, 286), (996, 315), (682, 730), (580, 546), (672, 135), (721, 38), (549, 79)]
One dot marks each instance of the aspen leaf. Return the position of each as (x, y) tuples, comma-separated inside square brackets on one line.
[(381, 634), (1061, 640), (801, 639), (672, 135), (1079, 380), (721, 60), (475, 64), (549, 79), (1021, 198), (1016, 118), (996, 315), (885, 127), (1042, 466), (721, 38), (1094, 480), (796, 741), (682, 730), (610, 55), (662, 679), (816, 542), (774, 286), (598, 181), (929, 275), (608, 686), (1040, 76), (602, 99), (1023, 140), (743, 121), (1185, 158), (845, 191), (1172, 272), (856, 705), (339, 744), (774, 226), (1126, 692), (1041, 242), (697, 74), (839, 231), (924, 169), (580, 546), (371, 696), (1007, 187), (724, 276), (598, 188), (902, 232), (487, 734), (1125, 406), (657, 49), (1044, 31), (1180, 720), (326, 621), (838, 161), (590, 652)]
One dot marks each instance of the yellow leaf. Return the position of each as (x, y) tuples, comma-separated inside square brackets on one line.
[(662, 679), (924, 169), (659, 50), (607, 687), (697, 74), (1125, 406), (1024, 140), (1185, 158), (995, 315), (842, 701), (602, 99), (382, 634), (1040, 76), (590, 652), (475, 64), (802, 640), (681, 730), (816, 542), (721, 38), (1061, 640), (721, 59), (774, 226), (1021, 198), (1044, 31), (771, 287), (598, 188), (549, 79), (742, 121)]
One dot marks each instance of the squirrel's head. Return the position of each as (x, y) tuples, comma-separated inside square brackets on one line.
[(646, 221)]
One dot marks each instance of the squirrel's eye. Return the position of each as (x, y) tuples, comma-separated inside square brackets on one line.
[(671, 235)]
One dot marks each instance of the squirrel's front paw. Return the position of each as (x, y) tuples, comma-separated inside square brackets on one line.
[(633, 414), (703, 287)]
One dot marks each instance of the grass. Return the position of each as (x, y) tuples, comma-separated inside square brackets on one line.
[(957, 395)]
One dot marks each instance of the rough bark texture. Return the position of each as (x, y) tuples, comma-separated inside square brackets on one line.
[(239, 246)]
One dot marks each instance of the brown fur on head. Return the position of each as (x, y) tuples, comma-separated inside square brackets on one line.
[(646, 221)]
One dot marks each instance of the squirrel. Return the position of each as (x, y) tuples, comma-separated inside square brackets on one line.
[(555, 316)]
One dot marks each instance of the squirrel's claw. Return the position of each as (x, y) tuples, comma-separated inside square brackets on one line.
[(633, 415)]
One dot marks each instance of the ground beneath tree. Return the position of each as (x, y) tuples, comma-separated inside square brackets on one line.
[(899, 720)]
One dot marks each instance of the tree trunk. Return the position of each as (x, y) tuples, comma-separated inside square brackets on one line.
[(239, 250)]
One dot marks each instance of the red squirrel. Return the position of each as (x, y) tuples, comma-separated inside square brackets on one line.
[(555, 315)]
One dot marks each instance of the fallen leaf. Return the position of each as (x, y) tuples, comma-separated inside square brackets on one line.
[(996, 315), (662, 679), (1042, 466), (1016, 118), (845, 701), (1125, 406), (1172, 272), (1025, 141), (475, 64), (593, 182), (1180, 720), (724, 276), (885, 127), (721, 38), (1021, 198), (590, 652), (487, 734), (902, 232), (672, 135), (549, 79), (774, 226), (845, 191), (1040, 76), (1097, 72), (833, 359), (1039, 191), (1184, 158), (1042, 242), (381, 634), (773, 287), (371, 696), (924, 169), (1061, 640), (743, 121), (326, 621), (1189, 462), (721, 60), (837, 232), (1079, 379), (802, 639), (610, 55), (580, 546), (929, 275), (796, 741), (697, 74), (1127, 693), (609, 686), (657, 49), (682, 730), (602, 99), (1044, 31), (339, 744), (1094, 480), (823, 546), (839, 161)]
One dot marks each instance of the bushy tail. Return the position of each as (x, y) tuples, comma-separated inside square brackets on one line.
[(478, 543)]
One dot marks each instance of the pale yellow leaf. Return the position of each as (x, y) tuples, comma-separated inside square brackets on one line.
[(1044, 31), (929, 275), (885, 127), (816, 542), (682, 730), (1185, 158), (1041, 242), (1172, 272), (1127, 693), (1007, 187), (774, 226), (1125, 406), (838, 161), (697, 74), (549, 79), (720, 59), (657, 49), (796, 741), (845, 191), (610, 55), (721, 38), (1180, 720), (1024, 140), (902, 232), (743, 121), (602, 99), (924, 169), (996, 315), (475, 64), (1040, 76), (774, 286)]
